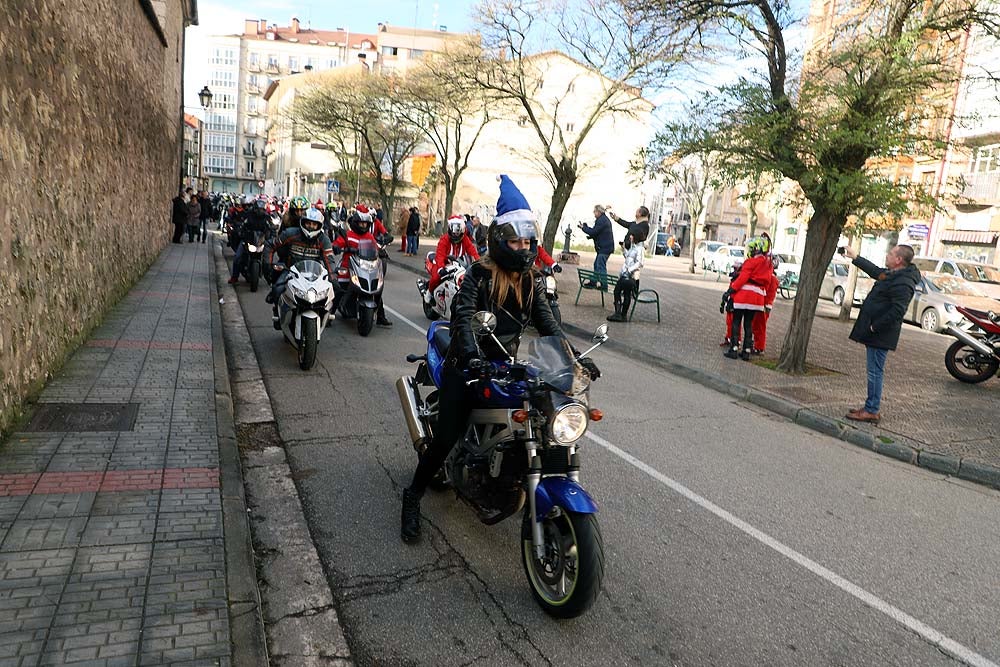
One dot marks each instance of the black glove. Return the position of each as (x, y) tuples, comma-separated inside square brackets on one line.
[(591, 368), (556, 268)]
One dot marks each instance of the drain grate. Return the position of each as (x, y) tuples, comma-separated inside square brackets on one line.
[(84, 417)]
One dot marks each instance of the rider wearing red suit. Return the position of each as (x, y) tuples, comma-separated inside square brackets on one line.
[(455, 243), (359, 226)]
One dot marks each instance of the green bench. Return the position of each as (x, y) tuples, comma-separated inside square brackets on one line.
[(585, 276), (642, 296)]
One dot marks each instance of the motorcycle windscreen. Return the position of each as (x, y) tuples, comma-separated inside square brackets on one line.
[(367, 249), (552, 357), (309, 269)]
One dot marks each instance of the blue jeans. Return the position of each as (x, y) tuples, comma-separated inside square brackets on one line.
[(411, 243), (876, 368), (239, 260), (601, 269)]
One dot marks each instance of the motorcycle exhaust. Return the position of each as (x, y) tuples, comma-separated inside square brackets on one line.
[(973, 342), (408, 401)]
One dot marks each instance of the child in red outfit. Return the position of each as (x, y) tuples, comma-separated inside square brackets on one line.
[(749, 294)]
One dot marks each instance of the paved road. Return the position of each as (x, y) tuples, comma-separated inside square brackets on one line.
[(732, 537)]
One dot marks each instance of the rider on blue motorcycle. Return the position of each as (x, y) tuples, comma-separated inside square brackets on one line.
[(504, 284)]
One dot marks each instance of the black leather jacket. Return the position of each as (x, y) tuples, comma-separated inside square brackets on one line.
[(474, 296)]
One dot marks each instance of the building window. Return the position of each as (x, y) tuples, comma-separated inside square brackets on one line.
[(416, 54), (569, 127), (223, 56), (222, 79), (272, 61), (522, 121), (293, 63), (310, 63), (253, 60), (220, 143), (333, 62), (987, 159), (390, 51), (251, 167), (220, 164)]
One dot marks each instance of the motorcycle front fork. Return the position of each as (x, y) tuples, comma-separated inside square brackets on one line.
[(535, 478)]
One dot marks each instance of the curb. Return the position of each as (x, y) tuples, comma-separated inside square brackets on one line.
[(246, 623), (881, 442), (300, 621)]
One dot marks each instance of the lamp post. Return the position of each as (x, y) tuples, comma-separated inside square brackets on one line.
[(205, 98)]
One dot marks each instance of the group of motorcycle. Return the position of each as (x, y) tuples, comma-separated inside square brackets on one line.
[(305, 306)]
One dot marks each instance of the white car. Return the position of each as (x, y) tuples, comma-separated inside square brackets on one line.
[(985, 277), (703, 249), (724, 257), (788, 263)]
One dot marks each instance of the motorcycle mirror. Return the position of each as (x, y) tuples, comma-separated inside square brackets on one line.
[(601, 333), (992, 316), (484, 323)]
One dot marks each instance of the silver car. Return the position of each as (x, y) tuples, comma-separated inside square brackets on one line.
[(986, 277), (703, 250), (834, 285), (935, 298)]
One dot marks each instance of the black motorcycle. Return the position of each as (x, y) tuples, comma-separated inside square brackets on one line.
[(253, 258)]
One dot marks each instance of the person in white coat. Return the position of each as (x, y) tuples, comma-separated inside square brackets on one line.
[(628, 280)]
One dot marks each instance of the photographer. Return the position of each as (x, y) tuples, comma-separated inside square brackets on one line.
[(604, 244), (881, 319)]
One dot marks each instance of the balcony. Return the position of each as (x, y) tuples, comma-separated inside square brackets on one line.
[(273, 68), (250, 131), (982, 188), (252, 111), (253, 89), (250, 152), (253, 66)]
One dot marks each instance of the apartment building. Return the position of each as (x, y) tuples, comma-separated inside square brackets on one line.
[(240, 69), (969, 226), (191, 152), (400, 47)]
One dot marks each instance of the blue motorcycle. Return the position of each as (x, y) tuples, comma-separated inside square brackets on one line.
[(520, 451)]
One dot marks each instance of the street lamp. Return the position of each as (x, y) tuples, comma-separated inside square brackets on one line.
[(205, 97)]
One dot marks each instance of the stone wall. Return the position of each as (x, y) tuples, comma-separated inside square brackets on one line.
[(90, 101)]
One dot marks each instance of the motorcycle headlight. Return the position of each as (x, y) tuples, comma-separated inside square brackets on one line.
[(950, 307), (252, 248), (550, 283), (569, 423), (312, 296)]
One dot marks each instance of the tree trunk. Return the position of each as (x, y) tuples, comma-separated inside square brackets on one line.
[(450, 190), (560, 197), (852, 284), (821, 241)]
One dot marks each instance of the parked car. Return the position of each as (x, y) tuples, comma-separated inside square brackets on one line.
[(834, 285), (788, 263), (724, 257), (986, 277), (703, 249), (935, 298)]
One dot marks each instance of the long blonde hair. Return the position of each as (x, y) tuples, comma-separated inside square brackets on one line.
[(502, 282)]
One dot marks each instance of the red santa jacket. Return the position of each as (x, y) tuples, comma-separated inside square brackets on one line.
[(750, 287), (351, 241), (544, 258), (446, 248)]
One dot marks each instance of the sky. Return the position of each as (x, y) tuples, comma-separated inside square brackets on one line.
[(220, 17)]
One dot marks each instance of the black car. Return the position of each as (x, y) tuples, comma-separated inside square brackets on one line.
[(660, 246)]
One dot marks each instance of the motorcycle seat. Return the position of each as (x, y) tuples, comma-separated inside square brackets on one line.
[(442, 339)]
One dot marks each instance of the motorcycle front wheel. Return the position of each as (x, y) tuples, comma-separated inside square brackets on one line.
[(254, 275), (967, 365), (307, 346), (567, 580), (366, 320)]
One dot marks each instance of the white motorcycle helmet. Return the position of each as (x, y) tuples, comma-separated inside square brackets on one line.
[(311, 223)]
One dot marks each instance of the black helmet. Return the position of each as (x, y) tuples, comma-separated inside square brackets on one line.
[(516, 261), (360, 223)]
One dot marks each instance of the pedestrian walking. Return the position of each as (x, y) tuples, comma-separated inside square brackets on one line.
[(206, 213), (404, 219), (604, 244), (179, 216), (413, 232), (193, 214), (881, 319)]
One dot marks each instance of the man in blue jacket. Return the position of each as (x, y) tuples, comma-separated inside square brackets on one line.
[(604, 243), (881, 318)]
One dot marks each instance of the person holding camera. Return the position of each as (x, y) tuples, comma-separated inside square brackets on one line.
[(881, 319), (604, 244)]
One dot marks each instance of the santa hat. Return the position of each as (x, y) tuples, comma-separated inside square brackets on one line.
[(361, 208), (511, 206), (319, 203), (456, 218)]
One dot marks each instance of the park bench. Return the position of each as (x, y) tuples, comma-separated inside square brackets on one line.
[(585, 276)]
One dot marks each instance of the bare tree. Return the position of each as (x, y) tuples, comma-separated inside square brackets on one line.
[(873, 90), (361, 110), (627, 51), (449, 114)]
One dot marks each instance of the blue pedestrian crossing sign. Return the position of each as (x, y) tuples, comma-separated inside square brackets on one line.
[(333, 186)]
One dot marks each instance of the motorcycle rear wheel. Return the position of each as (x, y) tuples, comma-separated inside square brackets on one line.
[(366, 320), (307, 347), (567, 581), (972, 371), (254, 271)]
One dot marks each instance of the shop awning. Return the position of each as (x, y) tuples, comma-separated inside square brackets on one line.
[(983, 238)]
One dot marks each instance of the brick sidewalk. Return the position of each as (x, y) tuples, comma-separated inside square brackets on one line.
[(111, 518), (922, 402)]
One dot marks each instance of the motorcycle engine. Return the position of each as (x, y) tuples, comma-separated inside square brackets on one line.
[(472, 479)]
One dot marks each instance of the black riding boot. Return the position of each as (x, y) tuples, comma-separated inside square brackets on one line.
[(409, 524), (618, 315)]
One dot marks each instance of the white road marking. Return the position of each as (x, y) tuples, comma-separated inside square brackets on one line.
[(946, 644)]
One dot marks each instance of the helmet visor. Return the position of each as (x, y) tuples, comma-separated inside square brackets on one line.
[(310, 225), (456, 228), (525, 229)]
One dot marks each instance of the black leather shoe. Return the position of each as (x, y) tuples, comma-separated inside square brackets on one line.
[(383, 321), (409, 525), (731, 353)]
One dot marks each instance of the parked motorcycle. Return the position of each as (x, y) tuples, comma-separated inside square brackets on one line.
[(975, 356), (304, 309), (363, 281), (444, 293), (521, 445)]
